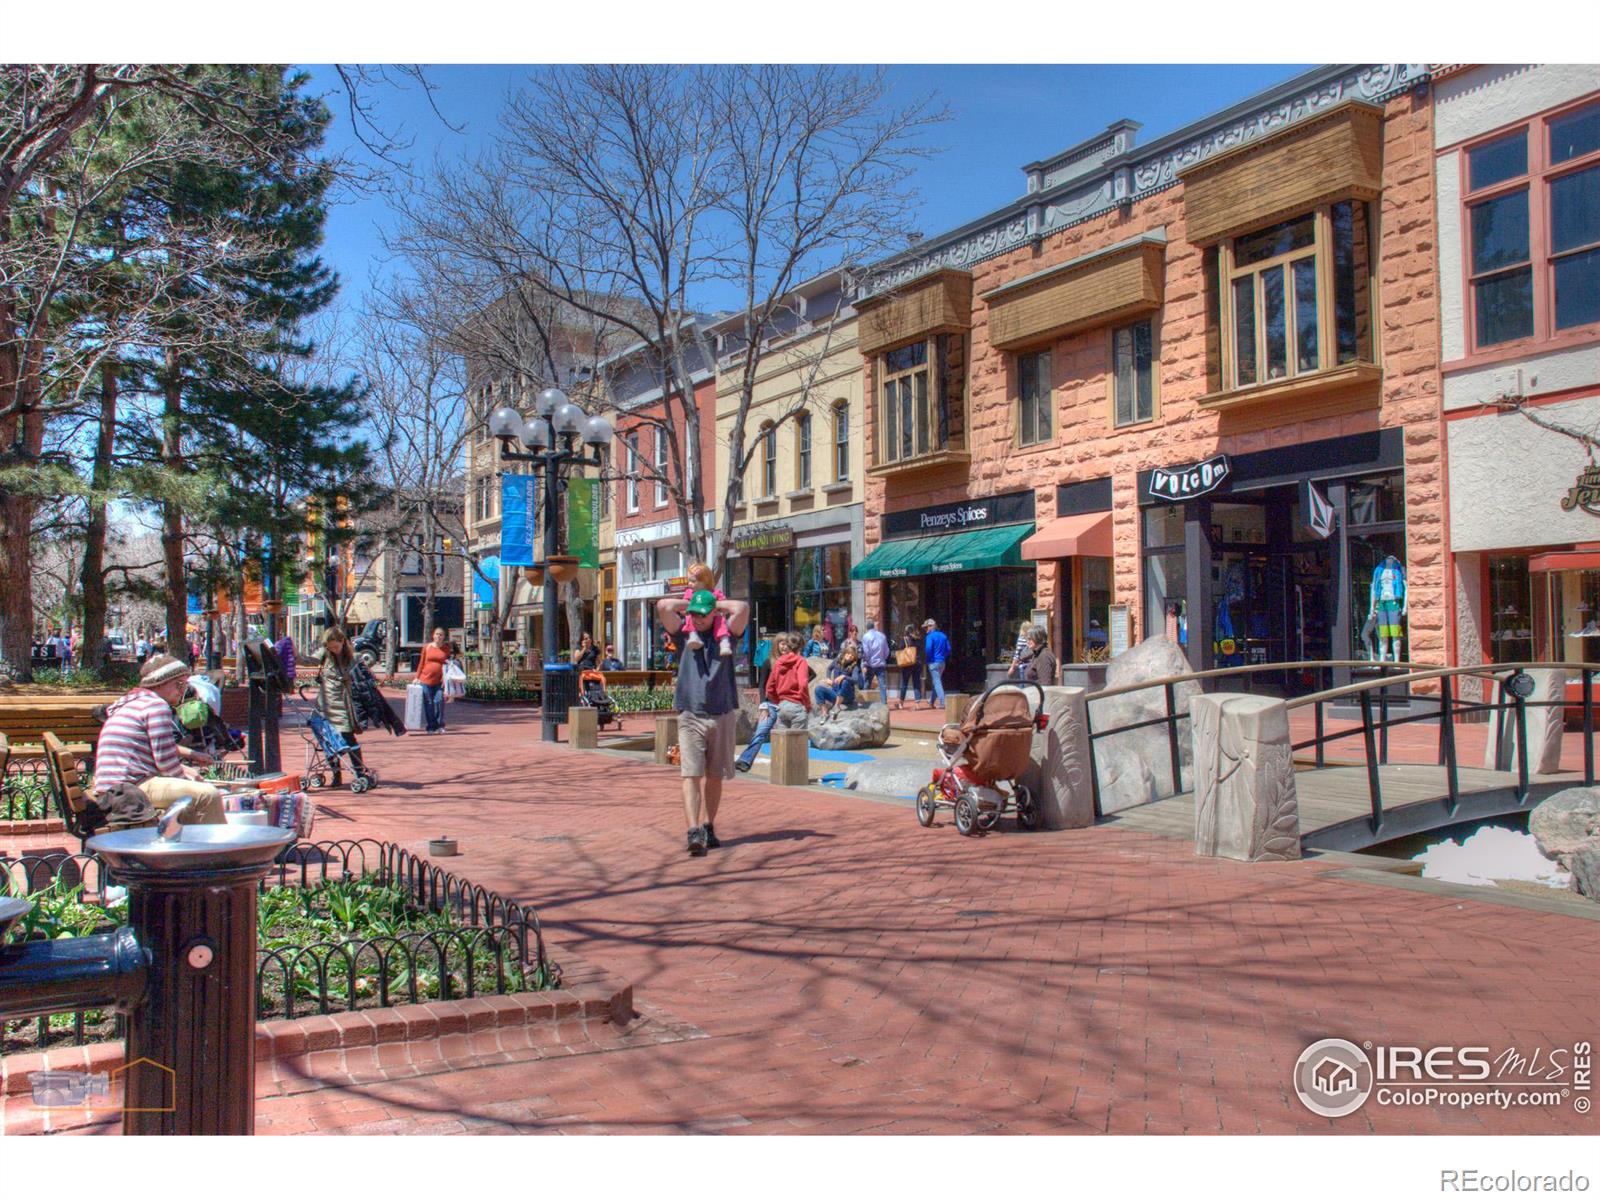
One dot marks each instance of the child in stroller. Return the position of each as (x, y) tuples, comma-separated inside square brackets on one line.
[(984, 759), (592, 694)]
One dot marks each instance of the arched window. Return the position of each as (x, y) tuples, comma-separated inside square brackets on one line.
[(841, 440)]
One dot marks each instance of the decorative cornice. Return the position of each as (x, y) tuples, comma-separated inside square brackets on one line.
[(1146, 170)]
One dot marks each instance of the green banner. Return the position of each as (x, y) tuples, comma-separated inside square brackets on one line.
[(290, 586), (583, 521)]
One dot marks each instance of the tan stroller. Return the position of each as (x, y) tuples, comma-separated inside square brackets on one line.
[(985, 758)]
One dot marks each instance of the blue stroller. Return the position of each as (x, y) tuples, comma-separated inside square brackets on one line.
[(327, 752)]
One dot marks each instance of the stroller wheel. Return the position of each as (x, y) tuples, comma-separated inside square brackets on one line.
[(988, 818), (359, 785), (966, 816), (316, 780), (927, 799), (1027, 808)]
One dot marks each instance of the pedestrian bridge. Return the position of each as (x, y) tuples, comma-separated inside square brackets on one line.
[(1399, 754)]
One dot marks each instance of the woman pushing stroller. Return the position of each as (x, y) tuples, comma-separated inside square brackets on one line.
[(336, 697)]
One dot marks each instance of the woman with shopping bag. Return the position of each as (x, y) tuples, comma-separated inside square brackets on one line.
[(430, 674)]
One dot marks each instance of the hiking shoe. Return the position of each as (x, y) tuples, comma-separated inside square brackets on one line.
[(711, 837), (697, 842)]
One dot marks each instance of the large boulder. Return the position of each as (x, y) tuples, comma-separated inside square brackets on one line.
[(1565, 821), (850, 728), (1136, 767), (1585, 867), (889, 776)]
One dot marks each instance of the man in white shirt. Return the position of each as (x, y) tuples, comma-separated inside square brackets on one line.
[(875, 657)]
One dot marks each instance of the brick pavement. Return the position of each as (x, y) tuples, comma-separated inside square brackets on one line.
[(835, 968)]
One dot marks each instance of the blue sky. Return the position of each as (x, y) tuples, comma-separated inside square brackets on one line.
[(1002, 117)]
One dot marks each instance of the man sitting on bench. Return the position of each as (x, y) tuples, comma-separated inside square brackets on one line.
[(138, 746)]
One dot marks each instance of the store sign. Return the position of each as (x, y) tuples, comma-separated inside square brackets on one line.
[(1186, 483), (1585, 493), (1011, 509), (1315, 510), (763, 539)]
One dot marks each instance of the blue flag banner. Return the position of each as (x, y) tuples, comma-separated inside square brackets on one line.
[(518, 515), (485, 579)]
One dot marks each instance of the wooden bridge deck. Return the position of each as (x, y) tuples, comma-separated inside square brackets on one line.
[(1336, 812)]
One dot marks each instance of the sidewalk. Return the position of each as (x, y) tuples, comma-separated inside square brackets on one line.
[(835, 968)]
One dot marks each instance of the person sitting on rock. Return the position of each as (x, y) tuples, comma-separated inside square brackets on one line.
[(844, 677), (788, 697)]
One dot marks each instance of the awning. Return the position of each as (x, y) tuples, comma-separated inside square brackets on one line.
[(1085, 534), (971, 551), (1565, 560)]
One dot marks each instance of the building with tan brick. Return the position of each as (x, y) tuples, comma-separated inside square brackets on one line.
[(1190, 386)]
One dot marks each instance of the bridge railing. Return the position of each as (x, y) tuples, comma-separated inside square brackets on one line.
[(1171, 717), (1512, 704)]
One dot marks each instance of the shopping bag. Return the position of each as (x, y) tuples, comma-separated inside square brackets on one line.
[(455, 680), (414, 717)]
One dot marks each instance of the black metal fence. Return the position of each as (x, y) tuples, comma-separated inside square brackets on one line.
[(25, 791), (474, 941)]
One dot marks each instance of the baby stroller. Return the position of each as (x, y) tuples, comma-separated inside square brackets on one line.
[(592, 694), (326, 751), (984, 759), (199, 721)]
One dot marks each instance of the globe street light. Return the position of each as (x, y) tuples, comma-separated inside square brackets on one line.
[(553, 415)]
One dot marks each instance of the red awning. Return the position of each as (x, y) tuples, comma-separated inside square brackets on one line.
[(1084, 535), (1556, 560)]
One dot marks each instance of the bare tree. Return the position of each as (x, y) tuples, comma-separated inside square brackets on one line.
[(665, 185)]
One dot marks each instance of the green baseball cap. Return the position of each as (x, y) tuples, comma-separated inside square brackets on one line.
[(702, 602)]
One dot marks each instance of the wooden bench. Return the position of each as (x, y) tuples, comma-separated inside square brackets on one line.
[(66, 785), (25, 719)]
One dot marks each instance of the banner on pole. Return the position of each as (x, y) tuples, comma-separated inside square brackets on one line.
[(518, 516), (583, 521)]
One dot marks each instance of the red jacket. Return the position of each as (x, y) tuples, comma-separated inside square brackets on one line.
[(790, 680)]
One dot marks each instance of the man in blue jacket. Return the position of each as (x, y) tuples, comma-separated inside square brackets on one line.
[(935, 652)]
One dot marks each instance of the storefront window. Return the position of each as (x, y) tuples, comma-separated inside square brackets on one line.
[(1376, 513), (1373, 501), (1166, 606), (1510, 611), (1571, 628), (1094, 604), (907, 605), (1163, 525), (821, 581)]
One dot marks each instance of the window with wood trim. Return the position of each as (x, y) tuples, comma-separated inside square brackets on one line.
[(769, 461), (633, 472), (841, 441), (1531, 221), (1133, 374), (802, 452), (1035, 399), (661, 467), (1296, 296), (913, 414)]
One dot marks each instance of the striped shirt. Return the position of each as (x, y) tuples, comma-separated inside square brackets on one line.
[(136, 742)]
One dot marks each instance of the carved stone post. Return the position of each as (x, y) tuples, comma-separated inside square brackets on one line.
[(1059, 773), (1245, 806)]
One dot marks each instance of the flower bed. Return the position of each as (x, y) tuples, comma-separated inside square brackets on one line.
[(501, 689), (632, 700), (341, 926)]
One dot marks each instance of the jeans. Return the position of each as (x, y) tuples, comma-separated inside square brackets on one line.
[(788, 714), (878, 677), (936, 670), (433, 706), (912, 676), (845, 693)]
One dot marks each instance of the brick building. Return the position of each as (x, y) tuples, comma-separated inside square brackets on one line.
[(1191, 386), (1517, 171)]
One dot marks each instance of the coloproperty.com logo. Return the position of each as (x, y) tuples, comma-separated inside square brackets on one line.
[(1335, 1077)]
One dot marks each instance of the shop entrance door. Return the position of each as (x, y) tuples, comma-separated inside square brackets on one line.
[(979, 611)]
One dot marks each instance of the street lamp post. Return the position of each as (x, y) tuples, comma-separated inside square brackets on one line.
[(551, 435)]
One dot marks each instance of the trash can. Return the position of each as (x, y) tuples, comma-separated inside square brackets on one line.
[(560, 688)]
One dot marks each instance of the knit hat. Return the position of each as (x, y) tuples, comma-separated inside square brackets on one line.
[(161, 668)]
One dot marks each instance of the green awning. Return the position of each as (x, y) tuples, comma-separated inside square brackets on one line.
[(946, 552)]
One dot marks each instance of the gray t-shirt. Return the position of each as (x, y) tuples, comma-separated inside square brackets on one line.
[(705, 682)]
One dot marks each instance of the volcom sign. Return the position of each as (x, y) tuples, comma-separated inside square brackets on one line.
[(1185, 483)]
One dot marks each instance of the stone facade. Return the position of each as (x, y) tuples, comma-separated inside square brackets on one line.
[(1085, 444)]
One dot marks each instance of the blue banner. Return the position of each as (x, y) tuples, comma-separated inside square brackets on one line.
[(485, 579), (518, 514)]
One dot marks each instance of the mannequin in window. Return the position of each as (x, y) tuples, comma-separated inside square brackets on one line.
[(1388, 606)]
